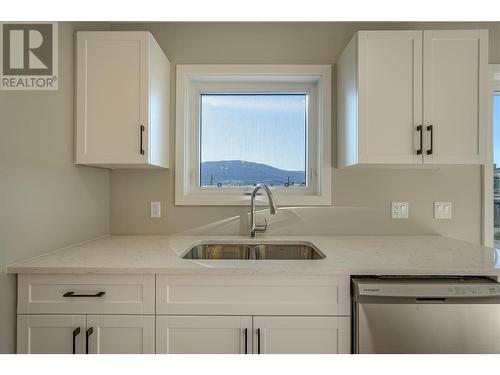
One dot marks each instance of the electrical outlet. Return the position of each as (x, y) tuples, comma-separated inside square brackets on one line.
[(155, 209), (399, 210), (442, 210)]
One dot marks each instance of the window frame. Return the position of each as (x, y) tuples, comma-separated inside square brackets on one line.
[(488, 231), (194, 80)]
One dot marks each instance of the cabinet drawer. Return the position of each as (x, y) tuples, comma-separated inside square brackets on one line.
[(97, 294), (252, 295)]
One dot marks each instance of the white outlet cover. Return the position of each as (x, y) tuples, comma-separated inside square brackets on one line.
[(155, 209), (399, 210), (442, 210)]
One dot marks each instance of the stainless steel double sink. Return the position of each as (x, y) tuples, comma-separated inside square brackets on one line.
[(254, 251)]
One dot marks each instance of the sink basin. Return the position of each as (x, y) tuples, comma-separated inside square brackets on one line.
[(251, 251)]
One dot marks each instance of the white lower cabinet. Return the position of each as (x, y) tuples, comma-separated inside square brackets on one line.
[(252, 314), (81, 334), (203, 334), (193, 314), (247, 335), (301, 335), (121, 334), (51, 334)]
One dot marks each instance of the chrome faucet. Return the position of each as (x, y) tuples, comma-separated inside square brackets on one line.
[(254, 227)]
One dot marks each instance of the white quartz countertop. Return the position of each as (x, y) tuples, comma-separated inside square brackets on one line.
[(353, 255)]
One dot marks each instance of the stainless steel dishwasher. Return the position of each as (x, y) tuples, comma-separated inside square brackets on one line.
[(425, 315)]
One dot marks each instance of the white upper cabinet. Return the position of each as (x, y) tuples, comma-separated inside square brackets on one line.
[(412, 97), (390, 87), (122, 100), (455, 95)]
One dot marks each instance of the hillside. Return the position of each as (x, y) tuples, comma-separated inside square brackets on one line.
[(244, 173)]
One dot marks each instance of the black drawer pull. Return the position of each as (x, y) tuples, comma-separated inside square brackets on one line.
[(72, 294), (87, 335), (76, 332)]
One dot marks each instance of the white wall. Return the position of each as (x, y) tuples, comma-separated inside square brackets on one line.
[(46, 202)]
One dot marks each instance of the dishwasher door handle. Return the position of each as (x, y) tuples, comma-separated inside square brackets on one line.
[(430, 299)]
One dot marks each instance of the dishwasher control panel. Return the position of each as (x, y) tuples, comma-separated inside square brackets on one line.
[(473, 290), (426, 288)]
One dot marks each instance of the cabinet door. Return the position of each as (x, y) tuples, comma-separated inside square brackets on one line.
[(50, 334), (390, 96), (455, 67), (121, 334), (203, 334), (301, 335), (112, 97)]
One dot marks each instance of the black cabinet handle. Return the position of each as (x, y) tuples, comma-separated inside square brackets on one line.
[(420, 130), (258, 340), (141, 149), (72, 294), (76, 332), (431, 128), (87, 335), (245, 335)]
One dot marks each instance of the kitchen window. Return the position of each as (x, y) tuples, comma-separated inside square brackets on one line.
[(238, 126), (496, 169), (250, 139), (491, 168)]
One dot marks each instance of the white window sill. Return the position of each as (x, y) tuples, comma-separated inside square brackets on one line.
[(244, 200)]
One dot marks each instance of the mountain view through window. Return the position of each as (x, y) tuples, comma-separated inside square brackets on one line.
[(247, 139)]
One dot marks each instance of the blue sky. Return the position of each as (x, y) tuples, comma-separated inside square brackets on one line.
[(252, 128), (496, 130)]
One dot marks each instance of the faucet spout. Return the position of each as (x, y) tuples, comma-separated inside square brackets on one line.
[(273, 208)]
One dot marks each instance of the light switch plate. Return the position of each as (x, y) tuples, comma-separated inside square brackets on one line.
[(399, 210), (155, 209), (442, 210)]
